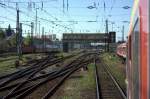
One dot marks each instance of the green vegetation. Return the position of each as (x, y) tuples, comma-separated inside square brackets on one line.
[(13, 41), (27, 40), (6, 44), (2, 34), (81, 85), (63, 54), (116, 67), (7, 66)]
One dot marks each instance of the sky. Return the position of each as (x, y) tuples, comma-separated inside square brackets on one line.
[(58, 18)]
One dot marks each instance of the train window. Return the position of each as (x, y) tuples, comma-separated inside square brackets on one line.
[(135, 51)]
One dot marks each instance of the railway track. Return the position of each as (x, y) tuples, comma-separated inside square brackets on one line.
[(107, 86), (35, 65), (24, 83)]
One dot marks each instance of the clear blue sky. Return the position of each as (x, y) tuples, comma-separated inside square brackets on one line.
[(77, 16)]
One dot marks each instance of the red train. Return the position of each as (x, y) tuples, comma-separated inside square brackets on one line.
[(28, 49), (122, 50), (138, 63)]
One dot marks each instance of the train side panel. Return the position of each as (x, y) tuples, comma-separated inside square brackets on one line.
[(144, 31), (121, 50), (138, 52)]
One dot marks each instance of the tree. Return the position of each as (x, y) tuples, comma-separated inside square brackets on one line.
[(13, 41), (2, 34), (27, 40), (9, 31)]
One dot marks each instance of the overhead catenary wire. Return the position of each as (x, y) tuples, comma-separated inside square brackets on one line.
[(52, 17), (33, 17), (33, 1), (59, 19)]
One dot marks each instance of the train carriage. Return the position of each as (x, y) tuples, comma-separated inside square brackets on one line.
[(138, 66), (121, 50)]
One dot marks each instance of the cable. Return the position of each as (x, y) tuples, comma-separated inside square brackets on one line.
[(114, 1), (38, 17), (44, 1), (32, 17), (51, 16), (5, 17)]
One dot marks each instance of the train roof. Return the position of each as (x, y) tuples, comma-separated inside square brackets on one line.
[(122, 45), (133, 13)]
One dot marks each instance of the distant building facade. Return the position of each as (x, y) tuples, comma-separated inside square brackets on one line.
[(73, 41)]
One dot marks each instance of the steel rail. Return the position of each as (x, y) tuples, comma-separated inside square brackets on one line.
[(47, 77), (33, 69), (32, 79), (27, 79), (115, 82), (53, 89), (98, 89), (58, 74)]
